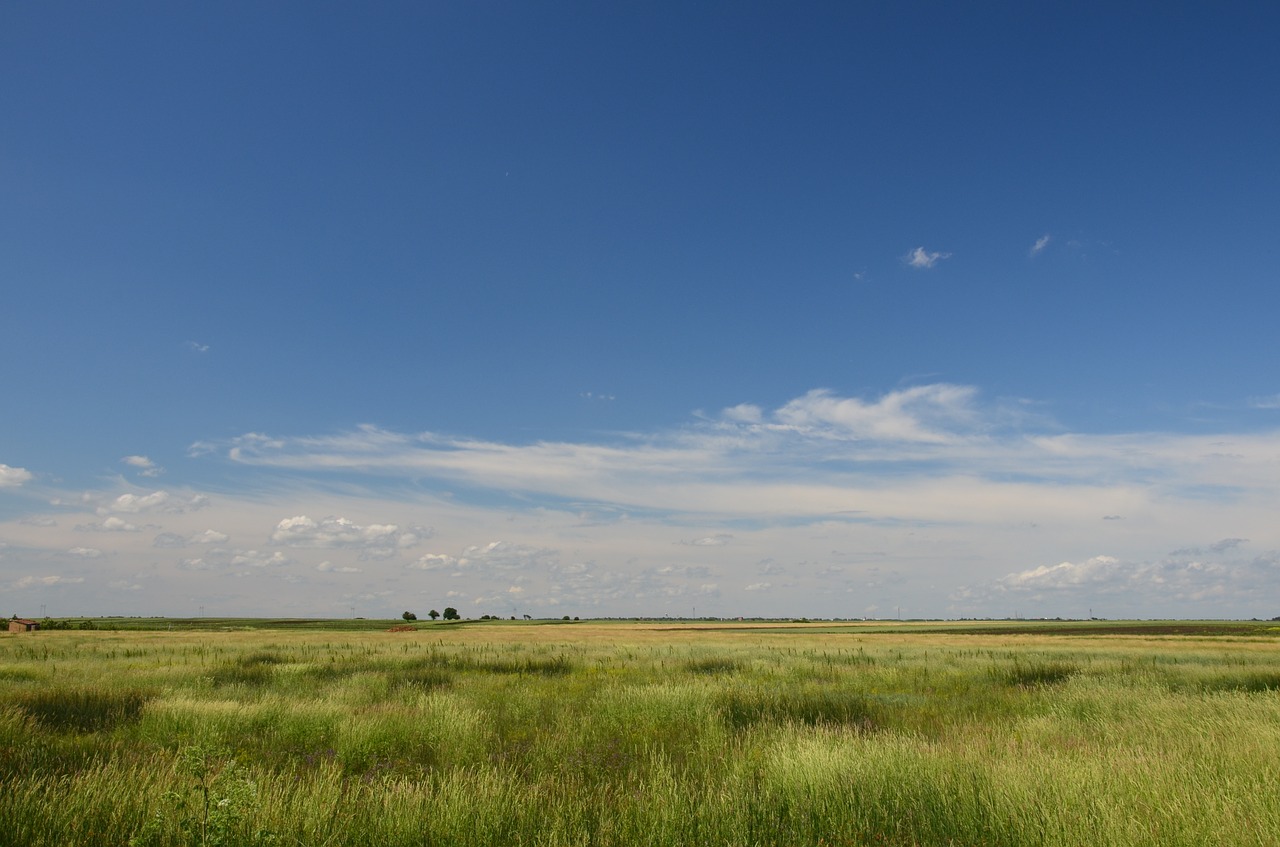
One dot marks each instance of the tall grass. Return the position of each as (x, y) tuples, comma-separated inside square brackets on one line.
[(629, 736)]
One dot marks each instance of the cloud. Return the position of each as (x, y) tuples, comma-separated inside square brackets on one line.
[(491, 560), (155, 501), (86, 552), (14, 477), (1041, 243), (224, 558), (374, 541), (759, 586), (1101, 571), (44, 581), (329, 567), (718, 540), (197, 347), (924, 453), (174, 540), (921, 259), (1271, 401), (927, 413), (435, 562), (145, 466), (111, 524), (1227, 544), (1188, 578), (743, 413)]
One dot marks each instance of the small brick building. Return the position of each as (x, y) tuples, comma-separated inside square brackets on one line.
[(23, 625)]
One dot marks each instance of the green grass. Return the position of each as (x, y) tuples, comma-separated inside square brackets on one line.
[(626, 734)]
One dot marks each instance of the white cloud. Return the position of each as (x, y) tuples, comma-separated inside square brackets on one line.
[(718, 540), (155, 501), (435, 562), (14, 477), (1191, 578), (1099, 570), (197, 347), (906, 496), (329, 567), (86, 552), (1041, 243), (374, 541), (490, 560), (111, 524), (927, 413), (922, 259), (254, 559), (1271, 401), (145, 466), (743, 413), (759, 586)]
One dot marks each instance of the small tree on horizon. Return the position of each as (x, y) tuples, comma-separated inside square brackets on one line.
[(409, 616), (433, 614), (451, 614)]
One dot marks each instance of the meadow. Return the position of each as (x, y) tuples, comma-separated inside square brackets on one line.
[(658, 733)]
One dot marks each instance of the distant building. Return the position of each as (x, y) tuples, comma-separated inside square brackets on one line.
[(23, 625)]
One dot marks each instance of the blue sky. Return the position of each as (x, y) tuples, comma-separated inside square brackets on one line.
[(631, 309)]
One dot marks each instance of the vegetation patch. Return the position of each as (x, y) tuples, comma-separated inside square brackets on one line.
[(252, 670), (82, 709), (1034, 674), (1251, 682), (712, 665), (806, 705)]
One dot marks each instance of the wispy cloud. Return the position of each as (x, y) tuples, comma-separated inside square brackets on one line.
[(145, 466), (956, 499), (923, 259), (1270, 401), (197, 347), (1041, 243)]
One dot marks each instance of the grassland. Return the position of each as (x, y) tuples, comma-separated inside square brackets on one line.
[(655, 733)]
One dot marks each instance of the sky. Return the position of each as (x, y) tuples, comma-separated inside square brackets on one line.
[(639, 309)]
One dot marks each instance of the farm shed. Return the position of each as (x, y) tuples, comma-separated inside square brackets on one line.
[(23, 625)]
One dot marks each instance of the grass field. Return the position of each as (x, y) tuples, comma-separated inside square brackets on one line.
[(304, 733)]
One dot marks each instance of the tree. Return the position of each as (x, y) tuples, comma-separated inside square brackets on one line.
[(409, 616), (433, 614), (451, 614)]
